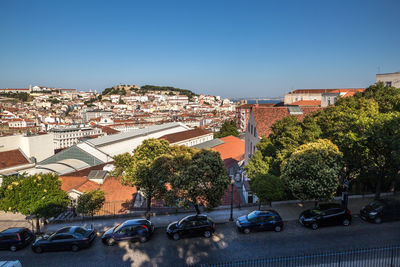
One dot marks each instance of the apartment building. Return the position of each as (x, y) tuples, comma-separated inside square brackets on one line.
[(389, 79), (69, 136)]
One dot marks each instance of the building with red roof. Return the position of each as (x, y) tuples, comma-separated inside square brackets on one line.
[(262, 119), (315, 94)]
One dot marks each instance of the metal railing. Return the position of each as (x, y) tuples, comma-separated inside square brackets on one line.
[(366, 257)]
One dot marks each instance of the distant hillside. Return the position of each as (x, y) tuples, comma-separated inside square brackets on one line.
[(148, 88)]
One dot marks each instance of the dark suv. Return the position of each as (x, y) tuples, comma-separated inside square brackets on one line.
[(138, 229), (15, 238), (193, 225), (381, 210), (325, 214), (260, 221)]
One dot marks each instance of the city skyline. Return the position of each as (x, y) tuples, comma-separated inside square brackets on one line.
[(231, 49)]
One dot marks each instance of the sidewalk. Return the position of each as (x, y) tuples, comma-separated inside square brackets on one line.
[(289, 212)]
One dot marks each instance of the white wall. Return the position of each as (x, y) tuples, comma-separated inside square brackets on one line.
[(250, 140), (393, 78), (130, 144), (38, 146)]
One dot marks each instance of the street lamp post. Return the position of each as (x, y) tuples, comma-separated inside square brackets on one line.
[(232, 184)]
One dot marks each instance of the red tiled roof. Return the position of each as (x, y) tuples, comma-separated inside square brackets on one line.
[(185, 135), (232, 149), (108, 130), (320, 91), (112, 187), (12, 158), (266, 117), (354, 90), (307, 103)]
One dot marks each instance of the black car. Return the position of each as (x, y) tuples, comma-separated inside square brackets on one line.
[(260, 221), (15, 238), (193, 225), (325, 214), (68, 238), (381, 210), (130, 230)]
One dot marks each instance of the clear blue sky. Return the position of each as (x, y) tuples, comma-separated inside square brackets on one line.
[(228, 48)]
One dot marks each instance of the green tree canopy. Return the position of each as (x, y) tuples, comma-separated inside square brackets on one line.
[(91, 202), (312, 171), (197, 178), (139, 169), (38, 195), (268, 188), (228, 128)]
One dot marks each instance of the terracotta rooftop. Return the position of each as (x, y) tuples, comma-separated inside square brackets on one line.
[(266, 117), (12, 158), (307, 103), (113, 188), (320, 91), (232, 149), (108, 130), (185, 135)]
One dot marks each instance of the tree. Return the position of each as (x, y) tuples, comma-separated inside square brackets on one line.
[(258, 165), (267, 188), (91, 202), (139, 169), (312, 171), (38, 195), (383, 148), (346, 124), (197, 180), (228, 128), (287, 135)]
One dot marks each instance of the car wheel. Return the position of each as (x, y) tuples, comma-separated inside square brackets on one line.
[(314, 226), (246, 230), (346, 222), (207, 234), (38, 250), (277, 228), (110, 242), (176, 236), (13, 248), (143, 239), (74, 248), (378, 220)]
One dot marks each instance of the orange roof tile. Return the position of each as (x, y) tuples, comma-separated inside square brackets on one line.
[(233, 148), (185, 135), (12, 158), (266, 116), (307, 103)]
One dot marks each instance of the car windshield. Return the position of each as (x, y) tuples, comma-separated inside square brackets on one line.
[(182, 221), (118, 227), (80, 231), (317, 211), (252, 216), (376, 205)]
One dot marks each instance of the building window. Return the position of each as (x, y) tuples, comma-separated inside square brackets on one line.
[(388, 83), (251, 129), (255, 132)]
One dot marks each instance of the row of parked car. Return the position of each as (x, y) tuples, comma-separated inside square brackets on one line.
[(75, 237)]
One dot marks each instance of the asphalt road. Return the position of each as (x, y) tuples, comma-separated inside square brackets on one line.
[(226, 245)]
